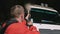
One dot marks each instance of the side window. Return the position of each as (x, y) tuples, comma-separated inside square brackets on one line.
[(39, 14)]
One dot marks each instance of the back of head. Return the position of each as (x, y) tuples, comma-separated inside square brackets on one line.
[(16, 10)]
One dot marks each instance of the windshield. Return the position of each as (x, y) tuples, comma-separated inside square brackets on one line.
[(44, 16)]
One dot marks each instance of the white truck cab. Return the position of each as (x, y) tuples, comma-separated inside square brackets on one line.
[(45, 10)]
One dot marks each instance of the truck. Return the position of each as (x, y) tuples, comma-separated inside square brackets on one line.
[(44, 18)]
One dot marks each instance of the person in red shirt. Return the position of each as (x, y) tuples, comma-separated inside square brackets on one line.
[(20, 27)]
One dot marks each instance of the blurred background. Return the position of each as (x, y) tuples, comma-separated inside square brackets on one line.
[(5, 6)]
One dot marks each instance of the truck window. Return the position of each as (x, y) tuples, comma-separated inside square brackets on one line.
[(44, 16)]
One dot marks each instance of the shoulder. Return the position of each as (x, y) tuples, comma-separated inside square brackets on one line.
[(12, 27)]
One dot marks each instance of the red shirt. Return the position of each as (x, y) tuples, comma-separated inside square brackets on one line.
[(20, 28)]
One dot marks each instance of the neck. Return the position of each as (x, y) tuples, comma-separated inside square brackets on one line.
[(19, 19)]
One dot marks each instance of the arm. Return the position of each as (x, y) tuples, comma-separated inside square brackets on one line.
[(33, 30)]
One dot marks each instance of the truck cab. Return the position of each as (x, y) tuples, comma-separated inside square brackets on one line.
[(44, 18)]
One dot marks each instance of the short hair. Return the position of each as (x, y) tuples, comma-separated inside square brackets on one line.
[(16, 10)]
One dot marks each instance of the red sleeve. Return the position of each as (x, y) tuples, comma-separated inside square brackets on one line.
[(32, 30)]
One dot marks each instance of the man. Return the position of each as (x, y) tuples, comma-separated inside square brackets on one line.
[(20, 26)]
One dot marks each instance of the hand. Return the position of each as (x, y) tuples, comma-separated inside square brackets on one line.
[(30, 23)]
